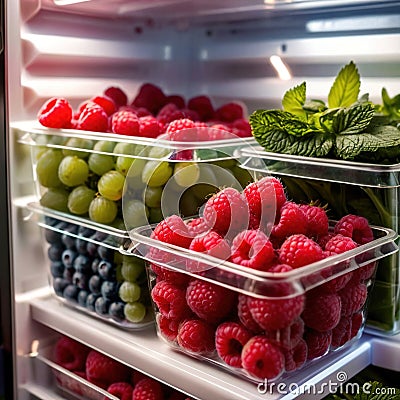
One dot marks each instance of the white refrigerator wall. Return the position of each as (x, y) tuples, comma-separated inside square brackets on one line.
[(185, 47)]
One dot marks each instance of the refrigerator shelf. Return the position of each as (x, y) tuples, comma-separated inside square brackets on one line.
[(155, 358)]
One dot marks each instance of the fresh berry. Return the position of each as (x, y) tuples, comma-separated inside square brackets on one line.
[(252, 249), (276, 313), (197, 226), (93, 118), (106, 103), (353, 297), (55, 113), (148, 389), (323, 240), (355, 227), (322, 311), (122, 390), (242, 127), (341, 332), (196, 336), (219, 132), (335, 284), (226, 211), (149, 127), (280, 268), (339, 244), (209, 301), (261, 359), (318, 343), (70, 354), (176, 99), (317, 220), (170, 300), (296, 356), (117, 94), (176, 129), (203, 106), (299, 250), (103, 370), (361, 274), (211, 244), (245, 316), (229, 112), (172, 230), (125, 123), (168, 113), (230, 337), (169, 275), (357, 321), (168, 327), (287, 338), (150, 97)]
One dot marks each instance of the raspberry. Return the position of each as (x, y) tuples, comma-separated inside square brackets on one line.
[(196, 336), (125, 123), (357, 322), (148, 389), (70, 354), (355, 227), (122, 390), (252, 249), (103, 370), (149, 127), (335, 284), (219, 132), (203, 106), (150, 97), (209, 301), (168, 113), (276, 313), (169, 275), (55, 113), (197, 226), (170, 300), (317, 220), (322, 311), (245, 316), (117, 94), (242, 127), (287, 338), (176, 99), (364, 273), (190, 114), (175, 127), (353, 297), (230, 337), (341, 332), (339, 244), (93, 118), (172, 230), (299, 250), (229, 112), (106, 103), (261, 359), (280, 268), (168, 327), (296, 357), (318, 343), (226, 212), (292, 221), (323, 240)]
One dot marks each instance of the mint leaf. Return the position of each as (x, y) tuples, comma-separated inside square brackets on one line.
[(355, 119), (344, 91), (391, 106), (314, 106), (294, 99)]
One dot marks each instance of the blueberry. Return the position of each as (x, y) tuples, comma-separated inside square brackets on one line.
[(59, 284), (80, 280), (85, 232), (52, 237), (68, 274), (109, 290), (55, 251), (95, 265), (91, 249), (102, 305), (91, 300), (71, 292), (82, 263), (95, 283), (106, 270), (51, 221), (116, 310), (57, 269), (68, 241), (81, 246), (68, 257), (100, 236), (105, 253), (82, 297)]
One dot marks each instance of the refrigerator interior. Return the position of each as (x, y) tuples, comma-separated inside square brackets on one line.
[(222, 49)]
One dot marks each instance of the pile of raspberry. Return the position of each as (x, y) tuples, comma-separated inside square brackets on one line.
[(151, 114), (108, 374), (270, 326)]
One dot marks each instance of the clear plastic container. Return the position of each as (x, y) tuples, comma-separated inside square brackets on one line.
[(288, 303), (369, 190)]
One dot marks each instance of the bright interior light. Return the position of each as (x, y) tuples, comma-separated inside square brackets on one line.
[(68, 2), (34, 348), (281, 67)]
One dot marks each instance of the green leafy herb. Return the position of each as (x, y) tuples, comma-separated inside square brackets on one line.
[(294, 99), (391, 106)]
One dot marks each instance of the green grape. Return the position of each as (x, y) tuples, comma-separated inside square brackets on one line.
[(102, 210), (188, 204), (124, 148), (152, 196), (80, 144), (105, 146), (141, 150), (129, 292), (79, 200), (131, 269), (56, 199), (118, 274), (158, 152), (186, 174), (73, 171), (135, 214), (100, 163), (207, 182), (242, 175), (111, 185), (136, 166), (225, 178), (155, 215), (134, 312), (226, 163), (156, 173), (47, 168)]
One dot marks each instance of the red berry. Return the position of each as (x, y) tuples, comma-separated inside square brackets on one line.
[(70, 354), (353, 297), (209, 301), (355, 227), (170, 300), (55, 113), (148, 389), (261, 359), (122, 390), (176, 129), (322, 311), (197, 226), (93, 118), (106, 103), (196, 336), (118, 95), (339, 244), (296, 356), (150, 97), (252, 249), (125, 123), (334, 285), (318, 343), (203, 106), (219, 132), (172, 230), (242, 127), (169, 275), (361, 274), (299, 250), (149, 127), (245, 316), (287, 338), (168, 113), (317, 220), (176, 99), (229, 112), (230, 337), (357, 321), (341, 332), (168, 327)]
